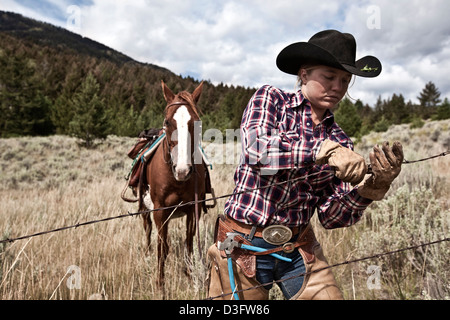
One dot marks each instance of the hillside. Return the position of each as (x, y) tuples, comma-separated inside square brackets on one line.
[(45, 34), (42, 67)]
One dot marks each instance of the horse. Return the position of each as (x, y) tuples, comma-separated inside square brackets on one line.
[(175, 174)]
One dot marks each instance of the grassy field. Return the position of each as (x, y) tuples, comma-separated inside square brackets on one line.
[(50, 182)]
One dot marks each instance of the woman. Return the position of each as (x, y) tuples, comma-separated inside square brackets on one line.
[(296, 160)]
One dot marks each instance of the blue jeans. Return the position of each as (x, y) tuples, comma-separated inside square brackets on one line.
[(269, 268)]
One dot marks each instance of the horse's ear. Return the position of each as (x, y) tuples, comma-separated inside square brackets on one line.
[(168, 94), (197, 92)]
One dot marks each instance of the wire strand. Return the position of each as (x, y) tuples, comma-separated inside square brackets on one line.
[(378, 255), (10, 240)]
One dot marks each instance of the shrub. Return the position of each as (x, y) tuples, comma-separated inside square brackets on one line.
[(381, 125), (408, 218), (416, 123)]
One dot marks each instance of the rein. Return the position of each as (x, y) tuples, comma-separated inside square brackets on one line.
[(170, 161)]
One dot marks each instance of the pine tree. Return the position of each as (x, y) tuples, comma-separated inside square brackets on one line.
[(61, 110), (429, 97), (124, 121), (443, 111), (348, 118), (89, 121), (398, 110), (23, 106)]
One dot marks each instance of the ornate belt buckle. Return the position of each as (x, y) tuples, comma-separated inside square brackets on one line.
[(276, 234)]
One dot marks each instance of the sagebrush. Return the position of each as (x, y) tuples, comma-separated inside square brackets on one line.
[(52, 182)]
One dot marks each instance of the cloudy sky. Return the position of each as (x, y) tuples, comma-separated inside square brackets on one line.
[(237, 41)]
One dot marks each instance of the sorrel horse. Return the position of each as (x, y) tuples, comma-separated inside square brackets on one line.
[(175, 174)]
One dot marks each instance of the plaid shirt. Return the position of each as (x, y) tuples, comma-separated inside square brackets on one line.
[(279, 144)]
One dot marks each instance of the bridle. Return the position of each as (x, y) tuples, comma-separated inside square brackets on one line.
[(170, 163), (177, 103), (170, 160)]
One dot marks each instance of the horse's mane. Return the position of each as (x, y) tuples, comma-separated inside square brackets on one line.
[(186, 96)]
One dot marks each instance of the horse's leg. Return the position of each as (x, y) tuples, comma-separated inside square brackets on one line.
[(145, 203), (190, 231), (147, 220), (163, 244)]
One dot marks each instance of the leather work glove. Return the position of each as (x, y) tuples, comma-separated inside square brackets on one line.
[(386, 165), (348, 165)]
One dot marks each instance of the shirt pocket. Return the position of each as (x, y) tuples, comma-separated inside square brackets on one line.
[(287, 139), (291, 136), (287, 121)]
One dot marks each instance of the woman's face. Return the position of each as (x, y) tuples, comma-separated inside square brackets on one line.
[(324, 86)]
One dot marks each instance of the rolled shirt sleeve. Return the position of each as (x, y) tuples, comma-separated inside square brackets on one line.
[(341, 205)]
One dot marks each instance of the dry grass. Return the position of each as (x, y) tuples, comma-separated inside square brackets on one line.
[(50, 182), (415, 210)]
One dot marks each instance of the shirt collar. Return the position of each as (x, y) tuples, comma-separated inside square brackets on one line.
[(298, 99), (328, 119)]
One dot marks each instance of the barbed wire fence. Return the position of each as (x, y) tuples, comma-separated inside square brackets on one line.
[(375, 256), (131, 214)]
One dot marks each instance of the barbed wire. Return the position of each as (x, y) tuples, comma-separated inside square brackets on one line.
[(307, 175), (129, 214), (443, 154), (378, 255)]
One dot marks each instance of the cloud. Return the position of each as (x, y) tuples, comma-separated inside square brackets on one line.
[(236, 42), (412, 42), (395, 79), (29, 9)]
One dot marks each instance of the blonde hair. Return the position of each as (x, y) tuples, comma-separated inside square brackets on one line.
[(309, 67)]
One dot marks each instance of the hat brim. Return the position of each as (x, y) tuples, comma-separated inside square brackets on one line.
[(291, 58)]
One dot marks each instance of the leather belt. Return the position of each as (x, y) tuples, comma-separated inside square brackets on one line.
[(247, 229), (287, 247)]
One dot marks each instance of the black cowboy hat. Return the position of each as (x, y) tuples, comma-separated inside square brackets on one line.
[(331, 48)]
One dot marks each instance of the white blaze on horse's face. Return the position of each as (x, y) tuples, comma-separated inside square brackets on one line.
[(182, 161)]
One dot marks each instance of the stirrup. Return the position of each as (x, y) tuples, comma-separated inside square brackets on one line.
[(213, 199)]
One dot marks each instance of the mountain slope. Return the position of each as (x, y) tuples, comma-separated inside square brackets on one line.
[(45, 34), (42, 68)]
